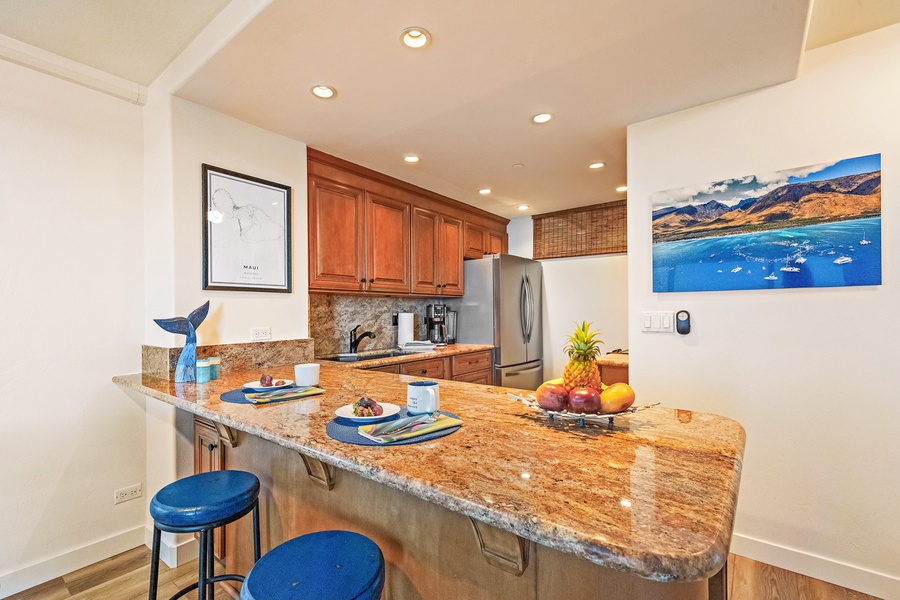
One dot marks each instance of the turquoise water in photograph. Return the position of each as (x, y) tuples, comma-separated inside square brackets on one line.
[(784, 258)]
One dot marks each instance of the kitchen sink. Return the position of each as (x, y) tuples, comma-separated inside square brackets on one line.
[(353, 357)]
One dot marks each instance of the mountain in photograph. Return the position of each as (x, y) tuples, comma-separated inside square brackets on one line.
[(792, 205)]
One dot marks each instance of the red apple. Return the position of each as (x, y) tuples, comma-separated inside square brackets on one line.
[(584, 400), (552, 396)]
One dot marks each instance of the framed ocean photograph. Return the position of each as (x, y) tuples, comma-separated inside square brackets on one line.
[(815, 226)]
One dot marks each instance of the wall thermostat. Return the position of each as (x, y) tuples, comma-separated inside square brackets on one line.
[(683, 322)]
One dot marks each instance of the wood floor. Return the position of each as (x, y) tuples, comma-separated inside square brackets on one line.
[(126, 577)]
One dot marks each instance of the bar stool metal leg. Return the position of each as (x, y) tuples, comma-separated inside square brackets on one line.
[(256, 531), (154, 562)]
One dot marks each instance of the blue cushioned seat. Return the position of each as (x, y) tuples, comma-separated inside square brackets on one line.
[(326, 565), (205, 498), (200, 503)]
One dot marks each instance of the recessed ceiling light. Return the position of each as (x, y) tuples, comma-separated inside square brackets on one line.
[(518, 166), (522, 207), (484, 191), (411, 158), (596, 165), (622, 188), (323, 91), (415, 37), (542, 118)]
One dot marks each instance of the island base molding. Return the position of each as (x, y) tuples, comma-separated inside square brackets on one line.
[(430, 551)]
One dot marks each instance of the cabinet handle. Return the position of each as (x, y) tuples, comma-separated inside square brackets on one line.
[(371, 281), (363, 280), (424, 371), (211, 447)]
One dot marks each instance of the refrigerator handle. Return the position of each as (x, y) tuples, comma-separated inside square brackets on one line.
[(529, 295), (523, 308)]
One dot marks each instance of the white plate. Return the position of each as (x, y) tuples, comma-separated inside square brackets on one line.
[(346, 412), (256, 387)]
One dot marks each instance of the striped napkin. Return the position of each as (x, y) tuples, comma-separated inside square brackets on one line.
[(283, 394), (410, 427)]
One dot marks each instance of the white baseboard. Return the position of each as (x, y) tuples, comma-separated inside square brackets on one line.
[(880, 585), (38, 573), (174, 550)]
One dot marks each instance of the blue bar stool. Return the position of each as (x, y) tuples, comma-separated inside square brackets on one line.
[(201, 503), (326, 565)]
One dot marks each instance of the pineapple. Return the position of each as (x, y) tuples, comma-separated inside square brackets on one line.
[(583, 349)]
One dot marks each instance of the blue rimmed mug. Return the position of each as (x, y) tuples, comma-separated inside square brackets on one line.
[(422, 397)]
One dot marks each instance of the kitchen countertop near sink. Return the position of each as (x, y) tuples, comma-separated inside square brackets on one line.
[(439, 352), (653, 494)]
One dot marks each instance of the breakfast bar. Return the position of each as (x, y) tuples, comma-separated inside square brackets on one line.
[(512, 505)]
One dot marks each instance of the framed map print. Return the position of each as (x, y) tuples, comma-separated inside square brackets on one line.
[(246, 232)]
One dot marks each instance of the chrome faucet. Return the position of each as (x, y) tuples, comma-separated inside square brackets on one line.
[(354, 340)]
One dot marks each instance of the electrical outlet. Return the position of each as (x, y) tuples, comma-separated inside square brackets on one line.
[(260, 334), (126, 494)]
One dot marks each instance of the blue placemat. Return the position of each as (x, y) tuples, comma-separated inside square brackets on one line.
[(237, 397), (345, 430)]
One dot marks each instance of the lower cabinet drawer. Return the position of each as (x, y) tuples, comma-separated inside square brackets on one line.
[(482, 377), (469, 363), (424, 368), (386, 369)]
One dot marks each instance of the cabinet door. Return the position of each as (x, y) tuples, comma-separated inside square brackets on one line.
[(209, 456), (474, 241), (495, 243), (471, 362), (451, 256), (387, 234), (425, 237), (336, 236)]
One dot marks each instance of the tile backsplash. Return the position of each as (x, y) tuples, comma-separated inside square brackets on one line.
[(332, 316)]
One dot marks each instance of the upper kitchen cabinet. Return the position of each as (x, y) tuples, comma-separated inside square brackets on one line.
[(436, 254), (337, 237), (372, 233), (387, 244)]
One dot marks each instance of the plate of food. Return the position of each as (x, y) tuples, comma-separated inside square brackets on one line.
[(366, 410), (266, 384)]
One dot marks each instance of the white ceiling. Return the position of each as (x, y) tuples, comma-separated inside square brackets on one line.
[(464, 103)]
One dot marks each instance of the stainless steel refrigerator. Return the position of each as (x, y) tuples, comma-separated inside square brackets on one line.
[(502, 307)]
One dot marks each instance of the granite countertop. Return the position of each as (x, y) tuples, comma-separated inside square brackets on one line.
[(653, 495), (439, 352), (613, 360)]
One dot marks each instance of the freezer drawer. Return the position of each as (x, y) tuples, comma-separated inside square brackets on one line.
[(527, 376)]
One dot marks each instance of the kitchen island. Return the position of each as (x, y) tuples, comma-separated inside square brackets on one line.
[(509, 506)]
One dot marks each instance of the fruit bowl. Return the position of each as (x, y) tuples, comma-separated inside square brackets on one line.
[(596, 418)]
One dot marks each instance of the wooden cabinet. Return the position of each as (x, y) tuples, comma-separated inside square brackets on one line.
[(450, 256), (336, 236), (475, 237), (432, 368), (209, 455), (474, 367), (358, 240), (436, 254), (471, 367), (385, 369), (387, 244), (497, 242), (372, 233)]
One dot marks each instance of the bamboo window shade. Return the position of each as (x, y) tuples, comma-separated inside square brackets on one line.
[(585, 231)]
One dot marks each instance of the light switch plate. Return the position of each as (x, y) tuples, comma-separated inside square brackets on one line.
[(658, 321)]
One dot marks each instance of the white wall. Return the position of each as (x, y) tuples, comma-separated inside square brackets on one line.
[(70, 317), (810, 373), (588, 288), (201, 135)]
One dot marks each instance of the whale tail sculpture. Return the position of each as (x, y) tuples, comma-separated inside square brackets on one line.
[(186, 369)]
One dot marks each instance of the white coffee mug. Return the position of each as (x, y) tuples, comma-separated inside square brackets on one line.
[(422, 397), (306, 374)]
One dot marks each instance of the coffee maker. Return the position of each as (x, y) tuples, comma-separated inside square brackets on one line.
[(436, 318)]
